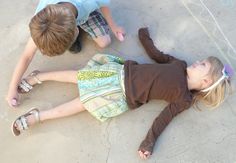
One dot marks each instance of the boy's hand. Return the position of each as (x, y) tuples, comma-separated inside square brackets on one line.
[(119, 32), (12, 98), (144, 154)]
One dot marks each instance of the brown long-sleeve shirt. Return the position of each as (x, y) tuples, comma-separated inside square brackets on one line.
[(165, 80)]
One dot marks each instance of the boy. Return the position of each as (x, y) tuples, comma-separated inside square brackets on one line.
[(54, 28)]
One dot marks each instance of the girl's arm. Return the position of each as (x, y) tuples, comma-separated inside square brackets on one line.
[(150, 48), (21, 67), (159, 125)]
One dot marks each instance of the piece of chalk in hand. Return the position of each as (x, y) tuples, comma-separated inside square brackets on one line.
[(120, 36), (14, 102)]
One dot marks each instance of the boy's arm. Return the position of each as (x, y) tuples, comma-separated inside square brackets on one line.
[(19, 71), (160, 124), (107, 15), (150, 48)]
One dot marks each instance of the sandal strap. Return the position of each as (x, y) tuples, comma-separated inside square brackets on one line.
[(35, 112), (24, 122), (19, 124), (37, 80), (25, 86), (33, 74)]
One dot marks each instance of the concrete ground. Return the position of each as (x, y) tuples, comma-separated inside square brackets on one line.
[(183, 28)]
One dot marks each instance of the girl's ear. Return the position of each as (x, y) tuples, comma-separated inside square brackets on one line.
[(206, 82)]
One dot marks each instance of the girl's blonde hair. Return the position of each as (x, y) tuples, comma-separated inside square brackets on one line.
[(53, 29), (215, 96)]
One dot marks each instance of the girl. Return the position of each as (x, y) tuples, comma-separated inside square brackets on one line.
[(108, 86)]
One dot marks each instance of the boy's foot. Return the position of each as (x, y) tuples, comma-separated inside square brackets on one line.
[(76, 46)]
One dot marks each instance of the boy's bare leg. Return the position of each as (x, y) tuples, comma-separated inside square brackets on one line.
[(103, 41), (68, 76), (67, 109)]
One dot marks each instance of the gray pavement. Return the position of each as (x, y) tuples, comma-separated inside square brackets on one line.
[(189, 29)]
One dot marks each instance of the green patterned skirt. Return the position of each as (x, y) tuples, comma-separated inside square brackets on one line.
[(101, 86)]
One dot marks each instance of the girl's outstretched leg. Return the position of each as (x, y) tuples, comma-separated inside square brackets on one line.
[(67, 109), (67, 76)]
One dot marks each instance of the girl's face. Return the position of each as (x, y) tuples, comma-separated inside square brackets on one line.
[(198, 73)]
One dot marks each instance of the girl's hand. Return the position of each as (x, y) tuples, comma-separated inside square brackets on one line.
[(144, 154), (12, 98), (119, 32)]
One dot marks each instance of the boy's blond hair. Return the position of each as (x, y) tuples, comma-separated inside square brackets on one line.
[(215, 96), (53, 29)]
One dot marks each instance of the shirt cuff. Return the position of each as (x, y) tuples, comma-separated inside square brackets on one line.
[(146, 146)]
